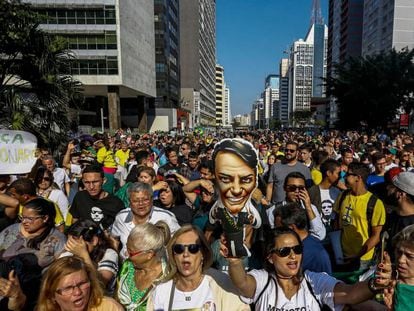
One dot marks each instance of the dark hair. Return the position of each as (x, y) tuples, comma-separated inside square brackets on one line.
[(193, 155), (294, 214), (328, 166), (270, 244), (42, 207), (94, 168), (319, 156), (365, 156), (87, 229), (208, 164), (239, 147), (169, 150), (377, 156), (177, 192), (359, 169), (294, 175), (23, 186), (141, 155), (307, 147), (291, 142), (40, 173)]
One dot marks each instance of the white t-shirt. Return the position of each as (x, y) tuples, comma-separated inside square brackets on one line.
[(57, 196), (316, 226), (199, 299), (322, 285), (328, 197), (123, 224)]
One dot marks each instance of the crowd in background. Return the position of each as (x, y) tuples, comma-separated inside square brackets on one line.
[(122, 222)]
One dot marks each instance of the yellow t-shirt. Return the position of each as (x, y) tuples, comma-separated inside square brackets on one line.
[(59, 217), (122, 156), (316, 176), (354, 224), (106, 158)]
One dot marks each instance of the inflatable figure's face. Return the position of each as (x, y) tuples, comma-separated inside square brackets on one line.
[(235, 180)]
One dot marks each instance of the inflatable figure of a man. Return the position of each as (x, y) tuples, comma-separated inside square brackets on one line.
[(235, 169)]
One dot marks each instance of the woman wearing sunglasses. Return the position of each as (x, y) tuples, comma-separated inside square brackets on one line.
[(192, 285), (46, 188), (283, 286), (146, 264), (71, 285)]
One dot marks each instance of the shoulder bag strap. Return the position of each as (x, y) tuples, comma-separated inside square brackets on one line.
[(170, 302)]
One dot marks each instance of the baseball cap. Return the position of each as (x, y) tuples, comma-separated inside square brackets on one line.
[(405, 182)]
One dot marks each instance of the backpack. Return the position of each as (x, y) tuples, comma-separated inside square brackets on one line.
[(370, 206)]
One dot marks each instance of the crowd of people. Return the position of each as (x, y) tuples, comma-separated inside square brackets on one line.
[(139, 222)]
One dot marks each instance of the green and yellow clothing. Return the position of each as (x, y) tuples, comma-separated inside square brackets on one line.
[(122, 156), (106, 158), (353, 221)]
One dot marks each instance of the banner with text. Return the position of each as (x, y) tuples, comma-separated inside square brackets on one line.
[(17, 152)]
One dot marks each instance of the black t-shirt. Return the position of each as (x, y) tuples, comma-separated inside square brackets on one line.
[(394, 224), (101, 211)]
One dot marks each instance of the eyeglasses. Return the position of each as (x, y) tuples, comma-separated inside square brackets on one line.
[(293, 188), (132, 254), (290, 150), (45, 179), (29, 219), (285, 251), (142, 201), (68, 291), (180, 248)]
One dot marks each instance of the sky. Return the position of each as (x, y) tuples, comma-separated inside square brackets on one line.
[(251, 37)]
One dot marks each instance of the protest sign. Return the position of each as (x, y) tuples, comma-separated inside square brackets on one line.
[(17, 152)]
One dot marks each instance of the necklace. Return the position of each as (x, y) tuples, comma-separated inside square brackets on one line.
[(189, 294)]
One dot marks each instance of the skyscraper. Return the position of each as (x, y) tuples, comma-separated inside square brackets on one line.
[(113, 42), (220, 95), (344, 38), (167, 53), (282, 113), (198, 59), (387, 24), (271, 94)]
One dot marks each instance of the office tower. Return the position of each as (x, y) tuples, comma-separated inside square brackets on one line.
[(167, 62), (113, 42), (387, 24), (227, 107), (271, 94), (282, 113), (344, 38), (220, 95), (198, 59)]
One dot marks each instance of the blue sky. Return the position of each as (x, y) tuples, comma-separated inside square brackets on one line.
[(251, 38)]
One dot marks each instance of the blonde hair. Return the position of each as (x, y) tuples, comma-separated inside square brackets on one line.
[(59, 269), (150, 237)]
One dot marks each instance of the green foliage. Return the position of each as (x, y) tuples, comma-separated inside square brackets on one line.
[(36, 93), (370, 90)]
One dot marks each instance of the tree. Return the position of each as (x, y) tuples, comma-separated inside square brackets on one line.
[(370, 90), (36, 91)]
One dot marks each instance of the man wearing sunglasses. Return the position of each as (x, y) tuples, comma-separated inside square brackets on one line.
[(294, 186), (275, 192), (361, 225)]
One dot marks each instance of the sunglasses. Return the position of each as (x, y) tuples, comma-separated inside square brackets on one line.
[(285, 251), (293, 188), (44, 178), (291, 150), (180, 248)]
